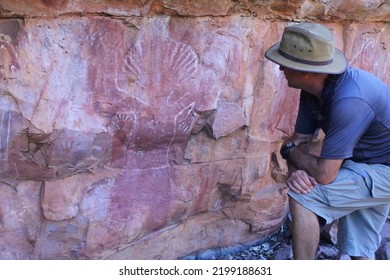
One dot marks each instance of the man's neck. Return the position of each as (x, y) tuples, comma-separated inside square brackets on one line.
[(315, 84)]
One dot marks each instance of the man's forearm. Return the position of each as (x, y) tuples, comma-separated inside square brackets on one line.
[(324, 171), (301, 159)]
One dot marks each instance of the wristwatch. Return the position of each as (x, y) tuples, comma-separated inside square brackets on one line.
[(285, 149)]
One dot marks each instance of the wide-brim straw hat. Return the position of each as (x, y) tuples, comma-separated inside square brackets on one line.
[(308, 47)]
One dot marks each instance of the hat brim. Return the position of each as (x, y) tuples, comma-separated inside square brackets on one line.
[(338, 65)]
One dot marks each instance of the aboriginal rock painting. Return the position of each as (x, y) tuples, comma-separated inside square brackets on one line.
[(142, 85)]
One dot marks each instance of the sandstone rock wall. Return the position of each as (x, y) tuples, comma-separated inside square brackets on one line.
[(151, 129)]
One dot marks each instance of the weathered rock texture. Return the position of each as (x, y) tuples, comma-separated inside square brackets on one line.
[(151, 129)]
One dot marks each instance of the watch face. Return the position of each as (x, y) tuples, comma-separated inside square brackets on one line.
[(288, 145)]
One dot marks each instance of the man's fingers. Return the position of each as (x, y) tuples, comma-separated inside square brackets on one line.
[(313, 181), (298, 186), (301, 182)]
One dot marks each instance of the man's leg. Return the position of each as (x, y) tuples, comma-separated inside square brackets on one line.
[(305, 231)]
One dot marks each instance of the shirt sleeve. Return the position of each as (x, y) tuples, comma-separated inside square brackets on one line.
[(348, 120)]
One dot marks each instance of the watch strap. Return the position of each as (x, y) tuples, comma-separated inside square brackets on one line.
[(285, 149)]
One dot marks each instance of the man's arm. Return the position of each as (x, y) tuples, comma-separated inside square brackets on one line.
[(324, 171), (299, 181), (298, 139), (348, 120), (307, 169)]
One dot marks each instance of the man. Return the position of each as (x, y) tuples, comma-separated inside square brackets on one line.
[(350, 180)]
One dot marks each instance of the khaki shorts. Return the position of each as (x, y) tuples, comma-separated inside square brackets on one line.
[(360, 198)]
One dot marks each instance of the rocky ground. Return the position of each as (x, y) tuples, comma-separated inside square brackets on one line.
[(279, 247)]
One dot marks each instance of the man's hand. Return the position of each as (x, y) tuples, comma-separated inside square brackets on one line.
[(300, 182)]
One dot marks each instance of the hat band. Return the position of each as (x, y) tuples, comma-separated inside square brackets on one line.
[(304, 61)]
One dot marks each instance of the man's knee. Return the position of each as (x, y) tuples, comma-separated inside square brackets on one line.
[(298, 210)]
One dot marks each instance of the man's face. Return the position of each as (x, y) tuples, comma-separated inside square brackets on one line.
[(293, 77)]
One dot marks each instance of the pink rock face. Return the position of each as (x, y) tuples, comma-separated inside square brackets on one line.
[(146, 137)]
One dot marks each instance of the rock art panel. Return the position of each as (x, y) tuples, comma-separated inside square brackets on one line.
[(141, 85), (152, 108)]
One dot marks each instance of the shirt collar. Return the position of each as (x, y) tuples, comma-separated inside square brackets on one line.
[(332, 80)]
